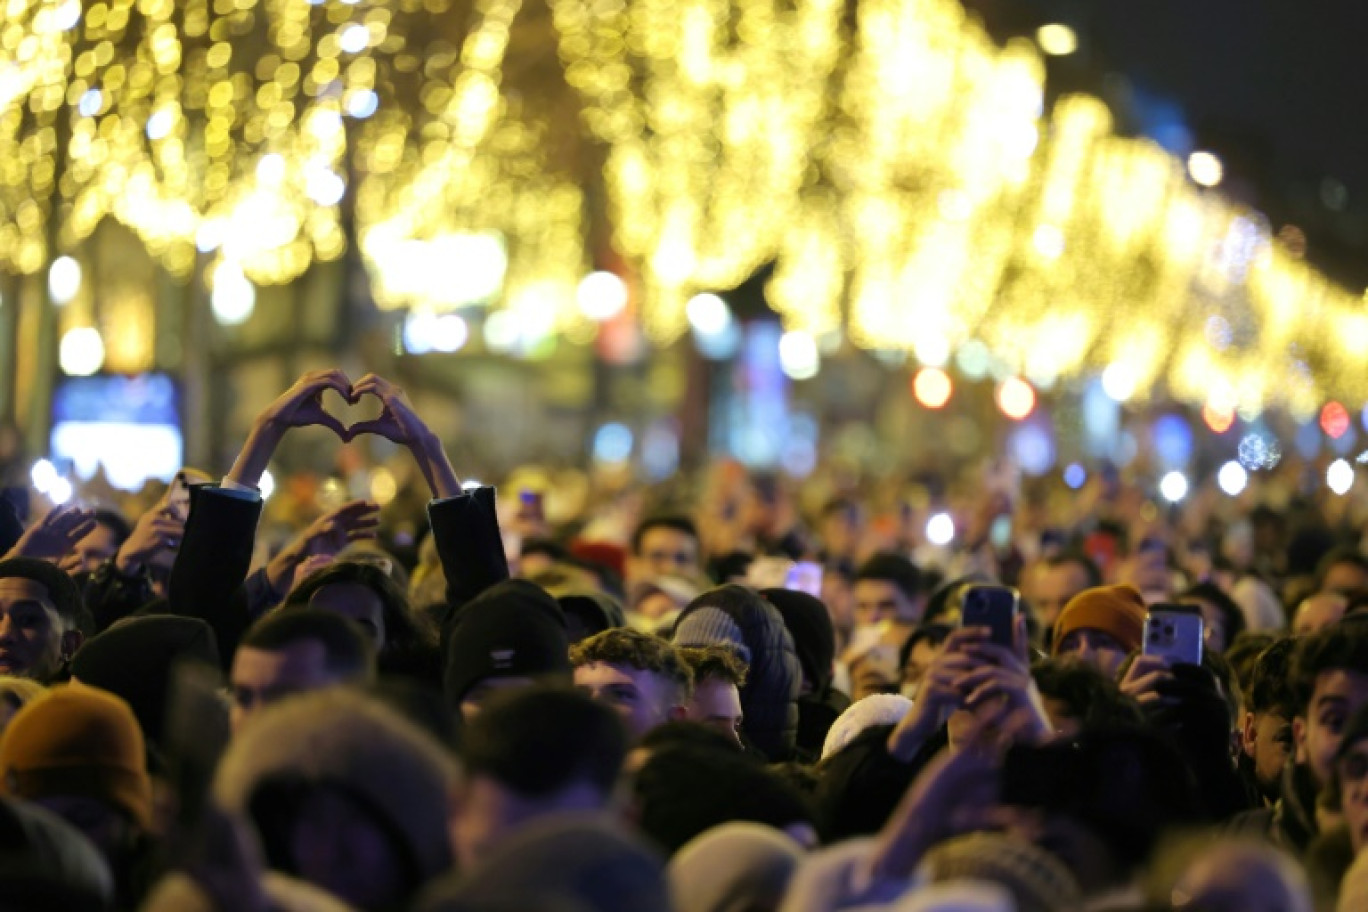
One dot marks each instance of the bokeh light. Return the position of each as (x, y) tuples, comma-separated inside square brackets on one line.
[(932, 387), (1016, 398)]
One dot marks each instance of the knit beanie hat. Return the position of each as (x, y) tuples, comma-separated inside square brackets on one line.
[(733, 868), (78, 740), (587, 858), (340, 739), (1037, 880), (47, 865), (136, 659), (708, 626), (1118, 611), (875, 709), (511, 630), (814, 637), (588, 613)]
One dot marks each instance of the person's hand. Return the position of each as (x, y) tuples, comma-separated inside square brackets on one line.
[(1000, 687), (302, 404), (1144, 679), (156, 530), (55, 535), (324, 538), (952, 795), (398, 422), (939, 694), (308, 567)]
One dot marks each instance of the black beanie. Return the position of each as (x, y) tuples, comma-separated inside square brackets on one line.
[(814, 639), (511, 630), (588, 613), (137, 658)]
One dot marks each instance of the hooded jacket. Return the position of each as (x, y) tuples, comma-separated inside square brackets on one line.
[(814, 639), (736, 616)]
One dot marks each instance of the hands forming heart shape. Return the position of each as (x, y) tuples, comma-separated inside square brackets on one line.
[(302, 406)]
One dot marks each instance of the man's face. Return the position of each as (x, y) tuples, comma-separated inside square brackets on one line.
[(881, 600), (1214, 636), (34, 640), (1353, 777), (260, 677), (1052, 588), (355, 601), (1337, 695), (97, 547), (1344, 578), (839, 598), (1267, 741), (1318, 612), (666, 551), (717, 704), (1098, 649), (642, 698)]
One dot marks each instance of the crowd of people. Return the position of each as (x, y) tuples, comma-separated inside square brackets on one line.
[(713, 700)]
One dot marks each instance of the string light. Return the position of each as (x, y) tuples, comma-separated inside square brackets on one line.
[(897, 167)]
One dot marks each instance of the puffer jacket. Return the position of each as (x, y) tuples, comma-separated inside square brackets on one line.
[(770, 698)]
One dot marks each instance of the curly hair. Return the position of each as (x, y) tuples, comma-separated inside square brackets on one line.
[(634, 649), (715, 662)]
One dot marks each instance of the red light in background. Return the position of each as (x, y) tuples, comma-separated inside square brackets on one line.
[(1334, 420)]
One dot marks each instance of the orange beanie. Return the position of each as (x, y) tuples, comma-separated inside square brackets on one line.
[(1118, 611), (77, 740)]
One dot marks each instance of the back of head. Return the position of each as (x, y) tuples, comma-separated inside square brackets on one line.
[(348, 653), (46, 865), (587, 859), (344, 740), (1126, 785), (814, 637), (1089, 696), (682, 792), (733, 867), (589, 613), (78, 741), (136, 659), (892, 568), (737, 617), (1037, 880), (513, 629), (542, 740)]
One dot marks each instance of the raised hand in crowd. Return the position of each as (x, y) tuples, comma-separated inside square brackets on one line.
[(299, 406), (400, 424), (324, 538), (55, 535), (156, 531)]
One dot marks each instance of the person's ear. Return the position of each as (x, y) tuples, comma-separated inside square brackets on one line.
[(1299, 754), (1249, 735), (71, 641)]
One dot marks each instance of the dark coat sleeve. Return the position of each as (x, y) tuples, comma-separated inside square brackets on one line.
[(469, 544), (211, 566)]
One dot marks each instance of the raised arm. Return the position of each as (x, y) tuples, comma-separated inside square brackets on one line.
[(465, 526)]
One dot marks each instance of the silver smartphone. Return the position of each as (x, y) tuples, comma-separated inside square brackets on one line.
[(1175, 633)]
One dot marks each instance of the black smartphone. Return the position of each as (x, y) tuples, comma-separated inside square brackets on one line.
[(994, 607)]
